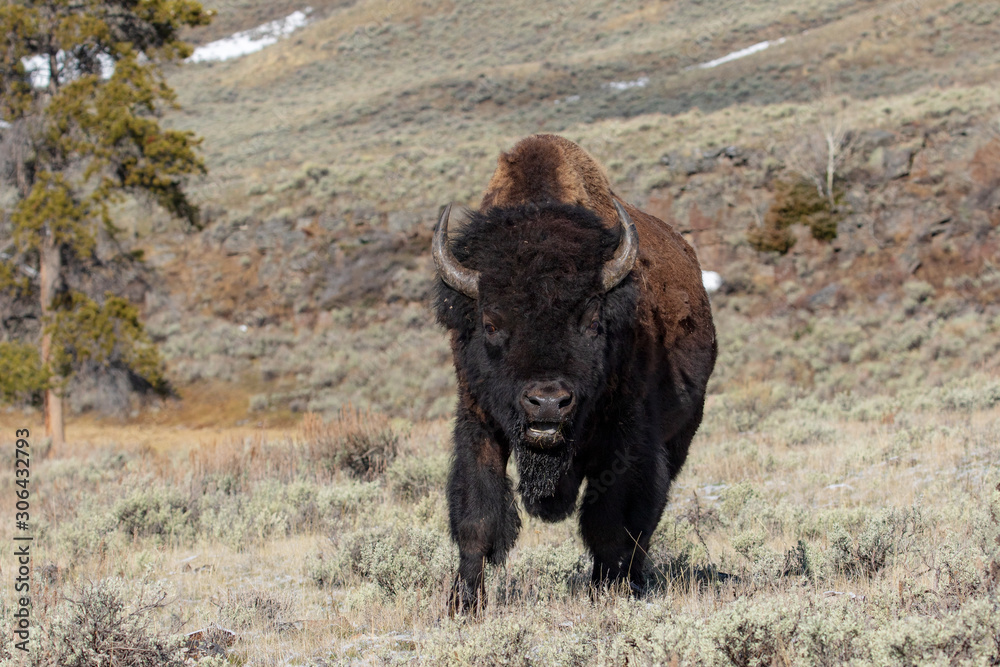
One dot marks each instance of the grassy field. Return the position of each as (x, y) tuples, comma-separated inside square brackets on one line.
[(830, 532)]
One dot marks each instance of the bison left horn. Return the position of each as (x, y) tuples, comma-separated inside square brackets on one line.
[(621, 264), (449, 268)]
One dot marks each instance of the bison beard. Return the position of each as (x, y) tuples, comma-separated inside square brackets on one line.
[(583, 342), (540, 472)]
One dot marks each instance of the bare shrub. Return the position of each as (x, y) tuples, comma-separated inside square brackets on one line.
[(100, 626), (361, 442), (884, 535), (250, 607), (823, 149)]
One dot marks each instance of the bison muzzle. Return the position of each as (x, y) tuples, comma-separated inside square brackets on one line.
[(583, 342)]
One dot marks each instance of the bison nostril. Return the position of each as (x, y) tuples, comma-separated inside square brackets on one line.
[(547, 402)]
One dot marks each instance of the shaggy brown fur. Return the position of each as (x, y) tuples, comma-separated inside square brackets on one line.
[(634, 358), (547, 168)]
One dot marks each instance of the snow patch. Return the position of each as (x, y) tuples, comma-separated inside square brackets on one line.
[(37, 68), (251, 41), (835, 487), (742, 53), (568, 100), (711, 280), (4, 125), (641, 82)]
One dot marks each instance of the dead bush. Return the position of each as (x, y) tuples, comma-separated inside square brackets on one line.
[(250, 607), (101, 625), (360, 442)]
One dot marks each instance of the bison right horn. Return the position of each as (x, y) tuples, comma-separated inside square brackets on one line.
[(449, 268), (621, 264)]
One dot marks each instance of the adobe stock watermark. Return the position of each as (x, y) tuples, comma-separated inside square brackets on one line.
[(597, 486), (22, 552)]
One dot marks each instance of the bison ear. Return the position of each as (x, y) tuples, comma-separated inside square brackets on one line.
[(449, 268), (619, 266)]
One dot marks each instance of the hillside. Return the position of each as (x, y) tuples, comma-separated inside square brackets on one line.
[(331, 151)]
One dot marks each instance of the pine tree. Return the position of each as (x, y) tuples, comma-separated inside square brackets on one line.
[(81, 91)]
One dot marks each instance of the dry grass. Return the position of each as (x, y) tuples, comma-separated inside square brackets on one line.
[(865, 519)]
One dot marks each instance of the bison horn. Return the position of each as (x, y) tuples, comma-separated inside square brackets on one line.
[(449, 268), (619, 266)]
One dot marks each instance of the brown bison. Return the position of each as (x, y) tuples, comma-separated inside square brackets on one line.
[(583, 340)]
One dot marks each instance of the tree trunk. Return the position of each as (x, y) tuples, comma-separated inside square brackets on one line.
[(50, 266)]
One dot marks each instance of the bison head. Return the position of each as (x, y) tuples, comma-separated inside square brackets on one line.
[(541, 308)]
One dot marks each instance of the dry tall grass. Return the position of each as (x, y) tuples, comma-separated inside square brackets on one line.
[(828, 534)]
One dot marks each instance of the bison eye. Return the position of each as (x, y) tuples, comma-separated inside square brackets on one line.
[(590, 322), (489, 328)]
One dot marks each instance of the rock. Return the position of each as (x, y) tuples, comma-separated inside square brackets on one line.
[(875, 139), (890, 163), (405, 221), (825, 298), (876, 161), (237, 243), (897, 163), (210, 641), (736, 155), (690, 164), (939, 226)]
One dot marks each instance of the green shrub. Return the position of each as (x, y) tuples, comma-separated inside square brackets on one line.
[(412, 477), (158, 512), (245, 520), (22, 375), (831, 634), (320, 569), (88, 534), (968, 636), (398, 558), (504, 641), (346, 498), (548, 571), (753, 633), (795, 202)]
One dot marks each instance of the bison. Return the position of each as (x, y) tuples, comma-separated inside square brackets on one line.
[(582, 340)]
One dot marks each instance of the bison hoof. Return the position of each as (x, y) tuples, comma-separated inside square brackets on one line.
[(465, 599), (622, 586)]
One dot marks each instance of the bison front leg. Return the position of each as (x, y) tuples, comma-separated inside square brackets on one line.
[(482, 513), (619, 512)]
